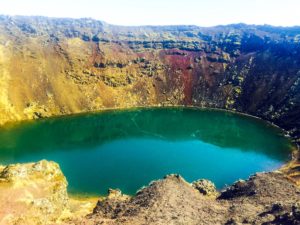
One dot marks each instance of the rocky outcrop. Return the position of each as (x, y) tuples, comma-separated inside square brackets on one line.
[(35, 193), (266, 198), (32, 193), (205, 187)]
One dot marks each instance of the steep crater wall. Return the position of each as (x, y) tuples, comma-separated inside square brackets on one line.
[(62, 66)]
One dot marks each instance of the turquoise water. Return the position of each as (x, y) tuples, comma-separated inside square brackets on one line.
[(128, 149)]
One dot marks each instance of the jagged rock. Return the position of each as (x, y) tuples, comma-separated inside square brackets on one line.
[(100, 65), (174, 201), (116, 194), (277, 207), (288, 215), (296, 209), (205, 187), (239, 188)]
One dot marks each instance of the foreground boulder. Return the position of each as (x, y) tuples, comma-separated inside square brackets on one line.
[(34, 193)]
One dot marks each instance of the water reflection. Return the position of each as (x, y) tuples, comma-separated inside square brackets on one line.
[(88, 131)]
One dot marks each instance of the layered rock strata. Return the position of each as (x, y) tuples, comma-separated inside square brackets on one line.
[(63, 66)]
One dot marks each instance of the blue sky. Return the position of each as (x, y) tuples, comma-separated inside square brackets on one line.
[(163, 12)]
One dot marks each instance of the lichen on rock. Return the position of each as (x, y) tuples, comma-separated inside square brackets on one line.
[(205, 187)]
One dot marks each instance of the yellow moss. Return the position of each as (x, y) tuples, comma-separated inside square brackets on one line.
[(238, 90), (74, 41), (241, 79), (7, 110)]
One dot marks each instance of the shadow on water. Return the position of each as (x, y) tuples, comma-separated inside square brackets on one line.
[(223, 129), (167, 128)]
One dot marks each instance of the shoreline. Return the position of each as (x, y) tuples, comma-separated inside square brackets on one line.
[(155, 106), (289, 164)]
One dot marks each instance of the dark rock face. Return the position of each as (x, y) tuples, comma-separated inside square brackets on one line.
[(250, 69)]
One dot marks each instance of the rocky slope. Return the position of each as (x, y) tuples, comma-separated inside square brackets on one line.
[(62, 66), (35, 193), (267, 198)]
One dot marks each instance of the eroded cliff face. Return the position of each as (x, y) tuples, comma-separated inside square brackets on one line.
[(63, 66)]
